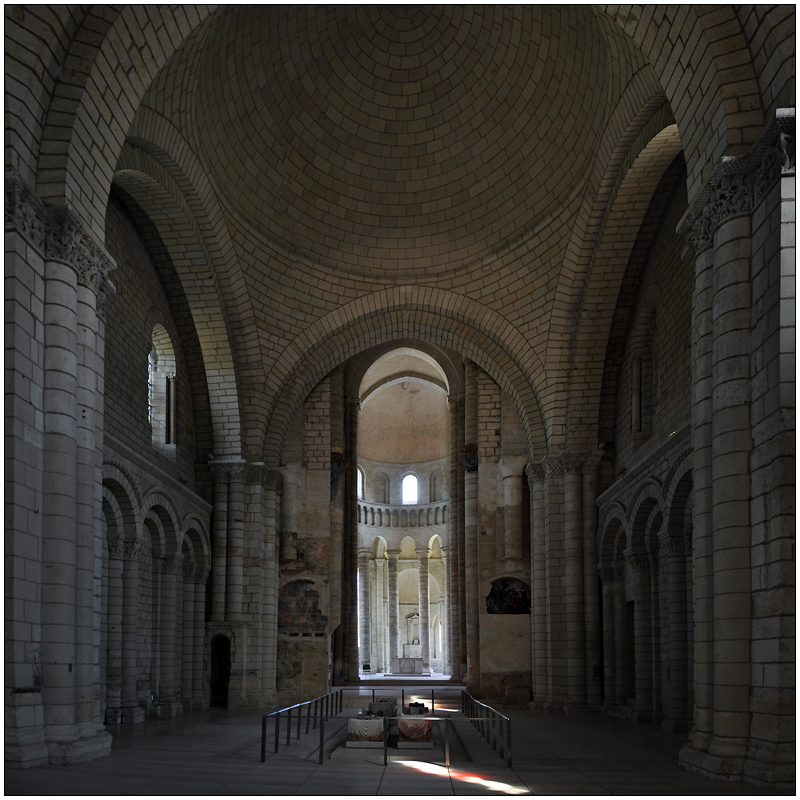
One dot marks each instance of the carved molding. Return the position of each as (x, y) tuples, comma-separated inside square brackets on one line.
[(610, 575), (639, 562), (57, 232), (553, 467), (737, 185), (170, 566)]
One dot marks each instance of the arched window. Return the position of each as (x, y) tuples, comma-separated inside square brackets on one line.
[(436, 486), (409, 490), (360, 483), (161, 411)]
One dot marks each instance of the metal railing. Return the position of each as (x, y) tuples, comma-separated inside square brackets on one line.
[(445, 744), (325, 706), (493, 726)]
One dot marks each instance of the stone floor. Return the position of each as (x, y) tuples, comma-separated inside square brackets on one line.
[(216, 752)]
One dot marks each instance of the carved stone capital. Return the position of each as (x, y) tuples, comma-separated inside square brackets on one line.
[(671, 544), (535, 474), (639, 562), (170, 566), (24, 211), (737, 185), (189, 573), (469, 462), (609, 575), (132, 551), (553, 467)]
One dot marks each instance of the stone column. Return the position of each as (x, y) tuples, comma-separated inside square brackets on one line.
[(674, 548), (535, 474), (169, 567), (640, 565), (59, 528), (271, 482), (555, 582), (234, 584), (609, 578), (471, 576), (200, 698), (131, 553), (394, 608), (219, 549), (352, 408), (732, 444), (512, 511), (573, 587), (620, 643), (591, 599), (454, 509), (114, 634), (378, 613), (424, 615), (187, 641), (444, 611), (364, 616), (461, 573), (339, 552)]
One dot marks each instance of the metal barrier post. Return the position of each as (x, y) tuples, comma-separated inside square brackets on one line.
[(321, 741), (373, 695), (277, 729), (385, 741), (264, 738), (289, 725), (327, 697), (433, 703), (447, 742), (341, 700), (308, 716), (500, 731), (299, 720), (403, 699), (508, 733)]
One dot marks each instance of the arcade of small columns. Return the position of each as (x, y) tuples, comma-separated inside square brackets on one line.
[(379, 605)]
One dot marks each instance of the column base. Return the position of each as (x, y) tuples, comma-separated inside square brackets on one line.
[(113, 716), (172, 708), (132, 715), (80, 751), (770, 775), (710, 766)]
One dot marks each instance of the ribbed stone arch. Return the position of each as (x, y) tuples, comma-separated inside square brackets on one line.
[(673, 39), (649, 496), (115, 525), (601, 289), (159, 508), (155, 192), (612, 522), (405, 312), (114, 56), (678, 492), (117, 480), (191, 522), (653, 117)]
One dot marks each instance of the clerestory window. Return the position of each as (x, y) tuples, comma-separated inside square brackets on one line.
[(161, 394)]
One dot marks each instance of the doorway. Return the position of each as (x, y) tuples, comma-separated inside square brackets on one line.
[(220, 671)]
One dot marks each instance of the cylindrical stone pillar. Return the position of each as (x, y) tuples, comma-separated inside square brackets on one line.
[(234, 583), (609, 579), (394, 608), (59, 485), (200, 698), (732, 445), (454, 605), (114, 634), (620, 644), (675, 549), (170, 567), (379, 610), (364, 616), (219, 566), (471, 577), (187, 640), (512, 515), (352, 408), (444, 613), (461, 573), (574, 601), (131, 552), (424, 611), (591, 588), (535, 474), (271, 483), (640, 564)]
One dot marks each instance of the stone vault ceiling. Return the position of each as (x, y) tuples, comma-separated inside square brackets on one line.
[(397, 139)]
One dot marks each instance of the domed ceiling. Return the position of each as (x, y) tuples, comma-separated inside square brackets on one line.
[(381, 139)]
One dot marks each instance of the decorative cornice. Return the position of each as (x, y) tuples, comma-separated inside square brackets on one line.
[(58, 233), (582, 463), (737, 185)]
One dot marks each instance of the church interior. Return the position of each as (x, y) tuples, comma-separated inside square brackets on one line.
[(401, 340)]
